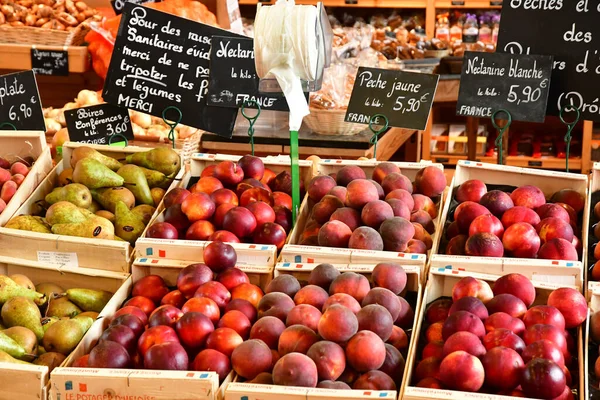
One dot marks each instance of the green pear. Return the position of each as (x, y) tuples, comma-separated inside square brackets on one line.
[(88, 299), (10, 346), (92, 314), (94, 227), (75, 193), (61, 307), (136, 182), (24, 337), (162, 159), (95, 175), (9, 289), (48, 321), (21, 311), (95, 207), (50, 360), (65, 212), (84, 322), (63, 336), (128, 226), (106, 214), (29, 223), (49, 289), (109, 197), (87, 152), (145, 212), (154, 178), (23, 281), (7, 358)]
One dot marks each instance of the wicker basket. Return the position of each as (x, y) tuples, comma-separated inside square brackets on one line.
[(43, 37), (331, 122), (189, 146)]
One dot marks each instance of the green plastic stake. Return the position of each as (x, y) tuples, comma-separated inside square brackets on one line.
[(570, 126), (374, 120), (501, 131), (251, 120), (172, 125), (2, 125), (295, 175), (123, 143)]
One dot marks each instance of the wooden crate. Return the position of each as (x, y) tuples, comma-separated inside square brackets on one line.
[(237, 390), (293, 252), (23, 144), (594, 306), (440, 283), (30, 382), (549, 182), (79, 383), (83, 252), (191, 250)]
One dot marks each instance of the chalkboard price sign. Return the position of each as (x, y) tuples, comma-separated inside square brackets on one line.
[(50, 62), (20, 102), (405, 98), (517, 83), (233, 78), (96, 124), (118, 5), (569, 31), (162, 60)]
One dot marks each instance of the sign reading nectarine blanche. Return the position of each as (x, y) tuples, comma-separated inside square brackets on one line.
[(567, 29), (20, 103), (161, 60), (493, 81), (96, 124), (405, 98)]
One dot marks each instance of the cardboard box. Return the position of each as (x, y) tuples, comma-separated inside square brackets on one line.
[(549, 182), (237, 390), (77, 383), (440, 283), (293, 252), (30, 382), (21, 144), (191, 250), (75, 251)]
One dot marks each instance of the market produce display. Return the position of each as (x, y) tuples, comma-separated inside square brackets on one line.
[(514, 222), (12, 175), (336, 331), (502, 339), (102, 197), (231, 202), (62, 15), (145, 127), (43, 324), (387, 212)]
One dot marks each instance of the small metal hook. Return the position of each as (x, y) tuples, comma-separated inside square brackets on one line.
[(172, 125), (501, 131), (110, 141), (570, 126), (251, 120), (374, 120), (10, 125)]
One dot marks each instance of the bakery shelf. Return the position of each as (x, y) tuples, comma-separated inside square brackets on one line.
[(18, 57)]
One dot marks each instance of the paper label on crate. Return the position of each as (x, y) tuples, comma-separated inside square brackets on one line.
[(58, 258), (404, 98)]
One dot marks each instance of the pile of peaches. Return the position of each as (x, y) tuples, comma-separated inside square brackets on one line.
[(333, 332), (519, 224), (492, 340), (12, 176), (231, 202), (387, 212)]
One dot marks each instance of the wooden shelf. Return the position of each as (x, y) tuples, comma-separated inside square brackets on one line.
[(17, 57), (515, 161), (353, 3), (480, 4)]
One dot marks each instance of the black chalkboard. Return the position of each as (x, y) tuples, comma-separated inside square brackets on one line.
[(405, 98), (50, 62), (161, 60), (96, 124), (118, 5), (20, 102), (517, 83), (568, 30), (233, 78)]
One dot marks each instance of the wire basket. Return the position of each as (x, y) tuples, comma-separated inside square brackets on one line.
[(331, 122)]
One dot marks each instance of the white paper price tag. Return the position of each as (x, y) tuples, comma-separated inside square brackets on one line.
[(58, 258)]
